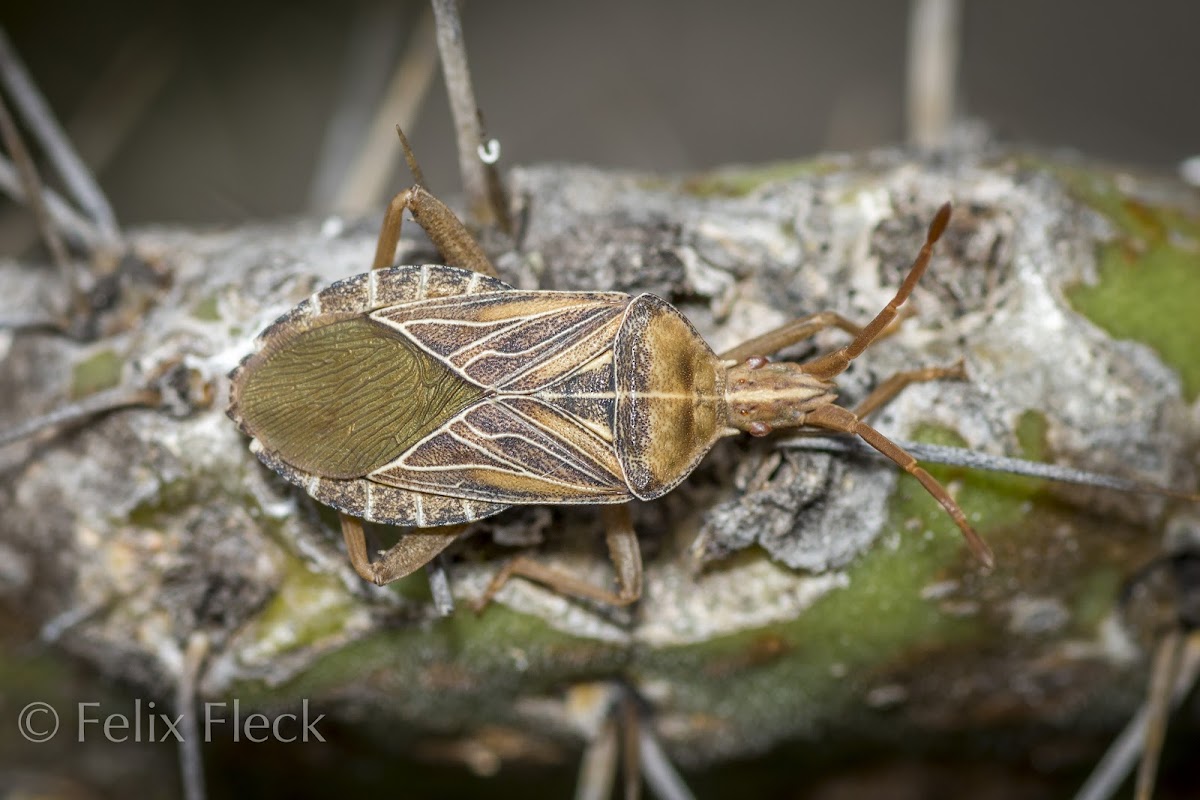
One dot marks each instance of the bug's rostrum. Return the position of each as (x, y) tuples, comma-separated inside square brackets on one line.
[(764, 396)]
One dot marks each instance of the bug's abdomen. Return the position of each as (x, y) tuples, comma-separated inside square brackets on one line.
[(345, 398), (670, 387)]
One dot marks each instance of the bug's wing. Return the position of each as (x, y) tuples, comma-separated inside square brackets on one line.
[(512, 341), (514, 450), (376, 502)]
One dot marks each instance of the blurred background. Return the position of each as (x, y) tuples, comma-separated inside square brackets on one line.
[(221, 111)]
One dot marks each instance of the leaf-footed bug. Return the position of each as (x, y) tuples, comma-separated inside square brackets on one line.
[(433, 396)]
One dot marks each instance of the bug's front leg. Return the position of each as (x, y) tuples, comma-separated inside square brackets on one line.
[(623, 550), (885, 392)]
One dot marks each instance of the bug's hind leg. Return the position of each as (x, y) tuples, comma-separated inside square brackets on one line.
[(458, 248), (410, 553), (623, 550), (452, 239)]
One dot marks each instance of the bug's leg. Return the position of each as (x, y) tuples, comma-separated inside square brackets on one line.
[(622, 549), (458, 248), (836, 418), (795, 331), (798, 330), (413, 551), (833, 364), (886, 391), (452, 239)]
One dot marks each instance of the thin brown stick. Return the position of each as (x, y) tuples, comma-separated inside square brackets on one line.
[(631, 754), (114, 105), (467, 128), (122, 94), (660, 775), (365, 181), (1116, 763), (933, 41), (191, 763), (1158, 705), (70, 167), (31, 182), (598, 767), (98, 403), (69, 222)]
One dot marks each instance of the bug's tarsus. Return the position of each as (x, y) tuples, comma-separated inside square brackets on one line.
[(623, 551), (833, 364), (410, 158), (836, 418), (412, 551), (883, 394)]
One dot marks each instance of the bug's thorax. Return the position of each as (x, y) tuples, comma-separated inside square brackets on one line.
[(763, 396)]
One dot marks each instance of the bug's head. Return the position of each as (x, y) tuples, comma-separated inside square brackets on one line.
[(763, 396)]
